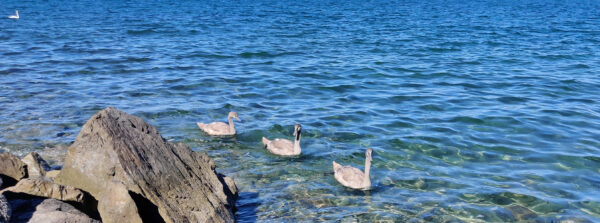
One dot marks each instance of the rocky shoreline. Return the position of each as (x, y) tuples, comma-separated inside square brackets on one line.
[(119, 169)]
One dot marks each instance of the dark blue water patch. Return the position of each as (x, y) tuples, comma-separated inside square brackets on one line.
[(444, 130), (185, 87), (466, 85), (339, 88), (512, 100), (204, 55), (405, 98), (400, 124), (577, 66), (246, 207), (467, 120), (142, 31), (138, 93), (136, 59), (441, 50), (265, 54), (15, 71), (432, 107), (324, 76), (12, 53), (175, 80), (413, 85), (555, 57)]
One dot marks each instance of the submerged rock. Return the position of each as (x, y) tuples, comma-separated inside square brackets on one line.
[(167, 182), (12, 169), (521, 213), (36, 166)]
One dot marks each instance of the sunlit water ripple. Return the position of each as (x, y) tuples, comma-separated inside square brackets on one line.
[(481, 111)]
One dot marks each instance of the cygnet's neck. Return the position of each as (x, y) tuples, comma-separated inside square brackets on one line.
[(367, 180), (297, 148), (231, 125)]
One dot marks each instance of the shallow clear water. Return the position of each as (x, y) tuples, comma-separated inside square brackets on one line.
[(479, 112)]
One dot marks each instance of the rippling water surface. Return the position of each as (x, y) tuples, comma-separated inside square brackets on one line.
[(480, 111)]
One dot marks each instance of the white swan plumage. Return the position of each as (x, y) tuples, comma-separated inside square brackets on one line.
[(16, 16)]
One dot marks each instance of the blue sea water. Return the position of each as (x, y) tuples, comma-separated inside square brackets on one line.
[(478, 111)]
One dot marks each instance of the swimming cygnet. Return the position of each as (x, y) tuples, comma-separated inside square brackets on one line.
[(352, 177), (284, 147), (220, 128)]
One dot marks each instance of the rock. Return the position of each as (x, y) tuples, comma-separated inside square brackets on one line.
[(22, 206), (572, 219), (44, 188), (116, 205), (230, 184), (55, 211), (52, 174), (28, 208), (36, 166), (521, 213), (165, 180), (5, 211), (12, 169)]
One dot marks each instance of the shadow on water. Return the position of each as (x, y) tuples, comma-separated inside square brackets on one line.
[(247, 205), (377, 188)]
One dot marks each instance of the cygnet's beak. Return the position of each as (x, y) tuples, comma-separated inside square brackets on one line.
[(238, 119)]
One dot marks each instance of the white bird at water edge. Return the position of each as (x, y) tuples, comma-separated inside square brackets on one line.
[(16, 16)]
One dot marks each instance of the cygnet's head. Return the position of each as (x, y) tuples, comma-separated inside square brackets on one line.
[(234, 115), (297, 131), (369, 154)]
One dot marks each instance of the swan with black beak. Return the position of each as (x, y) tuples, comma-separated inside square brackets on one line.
[(285, 147)]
